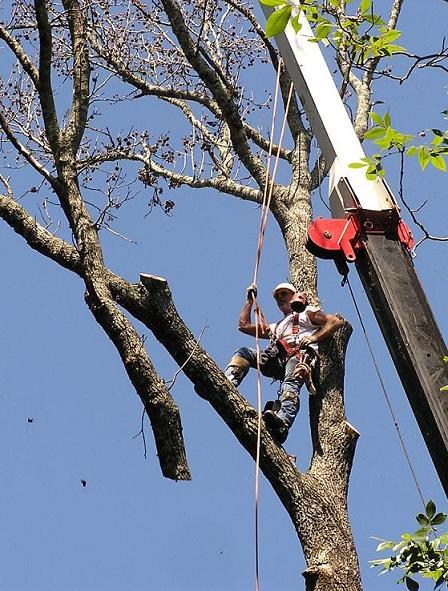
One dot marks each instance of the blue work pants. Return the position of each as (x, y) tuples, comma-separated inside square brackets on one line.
[(289, 395)]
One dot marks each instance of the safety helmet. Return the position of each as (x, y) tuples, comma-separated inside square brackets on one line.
[(280, 286)]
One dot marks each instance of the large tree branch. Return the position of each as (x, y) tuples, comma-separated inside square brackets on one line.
[(116, 66), (81, 72), (157, 400), (364, 89), (220, 183), (45, 87), (162, 411), (294, 117), (316, 506), (334, 439)]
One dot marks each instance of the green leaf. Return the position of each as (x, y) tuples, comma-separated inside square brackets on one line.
[(277, 22), (323, 30), (444, 389), (399, 546), (430, 509), (412, 151), (375, 19), (365, 6), (445, 358), (423, 158), (443, 539), (394, 49), (385, 545), (387, 120), (390, 36), (411, 584), (422, 532), (437, 132), (439, 519), (422, 519), (377, 119), (295, 23), (378, 562), (357, 165), (374, 133), (273, 2), (438, 162)]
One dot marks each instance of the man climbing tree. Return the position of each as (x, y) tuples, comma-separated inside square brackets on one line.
[(193, 58), (290, 357)]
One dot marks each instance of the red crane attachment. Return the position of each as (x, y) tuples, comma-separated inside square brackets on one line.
[(341, 239)]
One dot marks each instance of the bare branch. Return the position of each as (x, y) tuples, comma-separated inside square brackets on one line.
[(158, 402), (45, 87), (426, 234), (21, 55), (25, 152), (220, 183), (173, 380), (220, 93), (81, 72)]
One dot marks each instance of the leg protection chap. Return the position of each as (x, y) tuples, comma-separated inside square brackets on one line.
[(237, 370)]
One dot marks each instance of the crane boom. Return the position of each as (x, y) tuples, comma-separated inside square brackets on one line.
[(367, 229)]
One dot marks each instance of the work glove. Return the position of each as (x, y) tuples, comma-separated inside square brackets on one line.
[(306, 342), (251, 292)]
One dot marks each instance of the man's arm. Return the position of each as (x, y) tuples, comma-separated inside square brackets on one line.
[(329, 324), (245, 323)]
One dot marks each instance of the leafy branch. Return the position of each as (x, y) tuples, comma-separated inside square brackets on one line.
[(391, 140), (362, 36), (417, 554)]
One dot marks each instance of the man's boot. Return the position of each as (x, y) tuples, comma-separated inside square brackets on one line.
[(237, 370), (276, 425)]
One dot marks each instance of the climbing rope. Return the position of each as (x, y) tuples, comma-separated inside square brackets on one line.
[(260, 320), (386, 396)]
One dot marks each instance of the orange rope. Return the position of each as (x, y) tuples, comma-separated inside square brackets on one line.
[(259, 318), (266, 180)]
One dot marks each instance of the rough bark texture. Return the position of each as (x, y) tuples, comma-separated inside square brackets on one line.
[(63, 151)]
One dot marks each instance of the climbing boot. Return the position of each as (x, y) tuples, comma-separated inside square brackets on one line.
[(237, 370), (276, 426)]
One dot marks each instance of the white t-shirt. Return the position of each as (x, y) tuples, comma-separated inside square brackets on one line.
[(283, 329)]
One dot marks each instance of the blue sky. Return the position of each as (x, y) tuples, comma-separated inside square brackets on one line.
[(129, 528)]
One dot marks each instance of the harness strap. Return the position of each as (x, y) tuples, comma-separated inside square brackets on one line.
[(295, 326), (295, 323)]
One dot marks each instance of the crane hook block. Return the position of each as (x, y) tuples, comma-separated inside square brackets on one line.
[(341, 239)]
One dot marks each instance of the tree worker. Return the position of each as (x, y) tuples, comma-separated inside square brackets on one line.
[(291, 355)]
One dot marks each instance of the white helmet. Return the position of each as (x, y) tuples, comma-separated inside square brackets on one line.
[(280, 286)]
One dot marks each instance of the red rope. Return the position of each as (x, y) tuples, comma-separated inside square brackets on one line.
[(260, 320)]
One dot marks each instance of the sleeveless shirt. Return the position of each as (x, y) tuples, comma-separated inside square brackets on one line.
[(283, 329)]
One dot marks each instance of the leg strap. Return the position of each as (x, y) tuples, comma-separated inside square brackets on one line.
[(240, 362)]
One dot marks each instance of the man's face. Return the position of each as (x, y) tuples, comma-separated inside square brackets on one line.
[(283, 298)]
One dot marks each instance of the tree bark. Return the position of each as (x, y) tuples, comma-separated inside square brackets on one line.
[(316, 500)]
